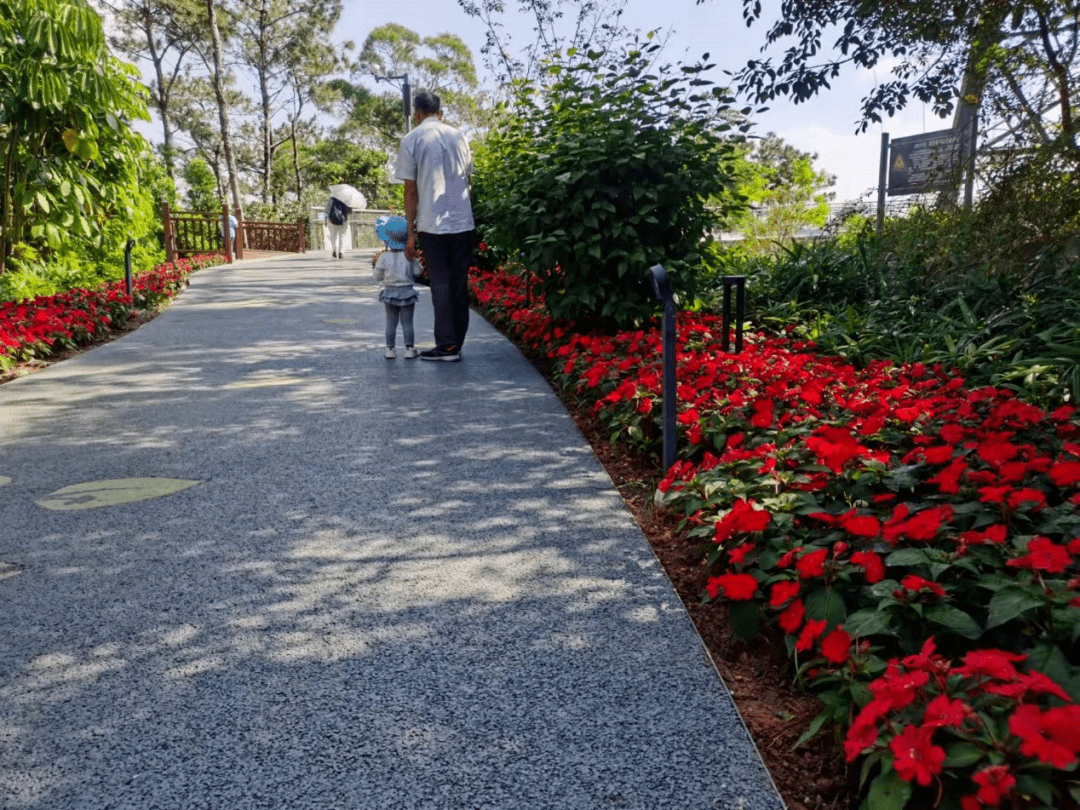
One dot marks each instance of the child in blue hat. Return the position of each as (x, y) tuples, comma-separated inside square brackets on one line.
[(396, 274)]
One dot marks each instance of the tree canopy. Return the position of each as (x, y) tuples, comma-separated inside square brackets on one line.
[(69, 158), (1017, 61)]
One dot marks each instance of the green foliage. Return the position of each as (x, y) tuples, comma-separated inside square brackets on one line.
[(202, 193), (69, 162), (603, 173), (991, 293), (785, 192)]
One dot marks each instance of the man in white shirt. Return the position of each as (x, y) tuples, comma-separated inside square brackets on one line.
[(435, 162)]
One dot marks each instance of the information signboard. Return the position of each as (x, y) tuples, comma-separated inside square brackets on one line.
[(928, 162)]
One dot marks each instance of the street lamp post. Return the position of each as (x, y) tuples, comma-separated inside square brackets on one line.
[(406, 96)]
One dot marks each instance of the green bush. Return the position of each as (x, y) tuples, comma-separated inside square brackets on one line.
[(603, 173)]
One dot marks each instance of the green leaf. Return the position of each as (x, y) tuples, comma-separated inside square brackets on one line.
[(813, 728), (1009, 603), (888, 792), (955, 619), (962, 754), (868, 622), (745, 618), (827, 604), (909, 557)]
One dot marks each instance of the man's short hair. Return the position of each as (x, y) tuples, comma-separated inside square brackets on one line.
[(427, 102)]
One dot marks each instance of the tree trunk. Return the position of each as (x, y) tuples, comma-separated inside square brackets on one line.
[(161, 98), (223, 110)]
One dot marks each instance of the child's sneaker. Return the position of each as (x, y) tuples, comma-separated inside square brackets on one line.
[(411, 353), (390, 353)]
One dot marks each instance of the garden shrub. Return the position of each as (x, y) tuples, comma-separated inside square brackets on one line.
[(603, 173)]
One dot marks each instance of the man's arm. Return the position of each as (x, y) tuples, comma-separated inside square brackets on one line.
[(412, 199)]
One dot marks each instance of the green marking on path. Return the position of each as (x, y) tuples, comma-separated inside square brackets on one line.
[(95, 494), (5, 480)]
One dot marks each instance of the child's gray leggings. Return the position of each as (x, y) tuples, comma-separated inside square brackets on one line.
[(405, 314)]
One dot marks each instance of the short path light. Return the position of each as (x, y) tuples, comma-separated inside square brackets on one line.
[(127, 266), (663, 292), (739, 283)]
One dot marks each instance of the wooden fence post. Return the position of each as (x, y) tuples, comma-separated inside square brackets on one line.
[(170, 237), (226, 238), (241, 241)]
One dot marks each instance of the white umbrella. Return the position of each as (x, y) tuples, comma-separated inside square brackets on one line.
[(349, 195)]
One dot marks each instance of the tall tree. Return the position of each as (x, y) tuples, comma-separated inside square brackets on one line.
[(279, 41), (163, 32), (981, 53), (786, 194), (442, 63), (68, 158), (218, 53), (557, 26)]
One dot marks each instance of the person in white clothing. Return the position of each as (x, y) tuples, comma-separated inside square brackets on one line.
[(337, 220), (396, 273)]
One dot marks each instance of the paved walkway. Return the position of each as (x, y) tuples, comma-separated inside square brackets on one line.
[(246, 562)]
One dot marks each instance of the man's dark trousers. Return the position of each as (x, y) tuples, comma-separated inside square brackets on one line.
[(448, 256)]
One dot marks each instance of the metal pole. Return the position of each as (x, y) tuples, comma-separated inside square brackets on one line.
[(406, 97), (663, 292), (883, 170), (128, 278)]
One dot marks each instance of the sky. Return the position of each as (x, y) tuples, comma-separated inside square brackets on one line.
[(824, 125)]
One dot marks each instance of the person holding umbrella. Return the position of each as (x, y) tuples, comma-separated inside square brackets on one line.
[(343, 199)]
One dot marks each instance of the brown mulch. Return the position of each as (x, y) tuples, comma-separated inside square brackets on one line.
[(812, 777)]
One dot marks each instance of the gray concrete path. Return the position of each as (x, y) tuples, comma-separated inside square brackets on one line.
[(246, 562)]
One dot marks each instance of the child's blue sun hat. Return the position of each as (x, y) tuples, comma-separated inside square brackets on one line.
[(394, 231)]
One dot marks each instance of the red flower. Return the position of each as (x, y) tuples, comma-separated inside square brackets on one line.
[(860, 736), (991, 535), (922, 525), (861, 526), (1052, 737), (1043, 555), (783, 591), (737, 587), (916, 756), (1065, 473), (739, 554), (792, 617), (899, 688), (873, 568), (813, 564), (942, 711), (810, 633), (1026, 496), (836, 646), (990, 664), (995, 783), (913, 582), (763, 413), (743, 517)]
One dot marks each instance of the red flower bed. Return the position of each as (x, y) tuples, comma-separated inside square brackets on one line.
[(46, 325), (912, 543)]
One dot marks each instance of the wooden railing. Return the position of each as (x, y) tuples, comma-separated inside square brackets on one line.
[(289, 237), (188, 233)]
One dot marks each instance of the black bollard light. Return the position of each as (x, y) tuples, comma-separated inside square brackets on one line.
[(663, 292), (127, 266), (739, 283)]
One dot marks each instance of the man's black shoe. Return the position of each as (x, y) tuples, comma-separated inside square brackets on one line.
[(449, 354)]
